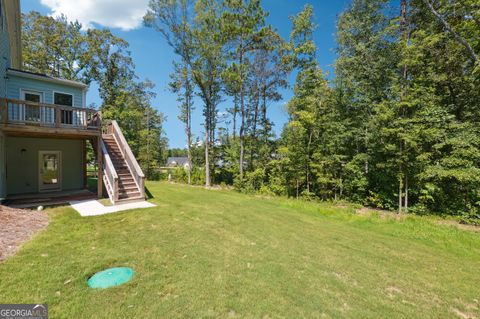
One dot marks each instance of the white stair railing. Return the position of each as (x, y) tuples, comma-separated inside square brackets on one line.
[(110, 177), (130, 159)]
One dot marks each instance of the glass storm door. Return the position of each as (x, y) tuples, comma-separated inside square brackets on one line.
[(50, 168)]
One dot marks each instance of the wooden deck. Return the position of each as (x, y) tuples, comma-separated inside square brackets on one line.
[(24, 118)]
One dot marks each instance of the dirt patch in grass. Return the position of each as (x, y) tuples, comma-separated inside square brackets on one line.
[(460, 225), (18, 226), (365, 211)]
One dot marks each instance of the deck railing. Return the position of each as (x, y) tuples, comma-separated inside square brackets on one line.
[(110, 176), (14, 111)]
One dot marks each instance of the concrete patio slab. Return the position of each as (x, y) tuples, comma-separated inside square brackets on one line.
[(95, 208)]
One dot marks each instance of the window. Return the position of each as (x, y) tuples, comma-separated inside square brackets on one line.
[(64, 99), (32, 97), (30, 112)]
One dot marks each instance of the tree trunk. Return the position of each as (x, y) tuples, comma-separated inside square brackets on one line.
[(400, 186), (307, 166), (189, 129), (235, 110), (406, 194), (405, 33), (264, 114), (242, 111), (366, 166), (207, 155), (254, 131)]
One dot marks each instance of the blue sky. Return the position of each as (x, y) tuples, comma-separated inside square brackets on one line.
[(153, 57)]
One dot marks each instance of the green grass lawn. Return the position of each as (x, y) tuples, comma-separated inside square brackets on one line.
[(209, 254)]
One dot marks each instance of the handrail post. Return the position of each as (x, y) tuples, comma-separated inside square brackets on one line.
[(100, 167), (4, 110), (58, 116), (115, 190)]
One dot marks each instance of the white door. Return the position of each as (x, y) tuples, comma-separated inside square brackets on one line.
[(50, 168)]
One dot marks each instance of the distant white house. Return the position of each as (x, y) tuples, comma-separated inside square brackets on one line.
[(178, 162)]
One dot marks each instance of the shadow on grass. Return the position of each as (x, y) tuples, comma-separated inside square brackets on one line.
[(148, 194)]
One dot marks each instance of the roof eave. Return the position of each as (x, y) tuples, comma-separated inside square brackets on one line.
[(47, 78)]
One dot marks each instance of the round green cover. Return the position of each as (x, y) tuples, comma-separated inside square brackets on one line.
[(111, 277)]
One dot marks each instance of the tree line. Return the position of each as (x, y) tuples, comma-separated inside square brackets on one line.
[(397, 128)]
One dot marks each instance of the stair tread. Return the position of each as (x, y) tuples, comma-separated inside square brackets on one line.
[(129, 192), (127, 186), (129, 196)]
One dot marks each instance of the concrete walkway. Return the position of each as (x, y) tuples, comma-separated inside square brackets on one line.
[(95, 208)]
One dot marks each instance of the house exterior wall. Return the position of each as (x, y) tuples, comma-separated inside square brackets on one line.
[(4, 64), (23, 166), (3, 185), (17, 83), (4, 50)]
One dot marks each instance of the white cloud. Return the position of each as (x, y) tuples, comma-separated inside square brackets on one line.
[(122, 14)]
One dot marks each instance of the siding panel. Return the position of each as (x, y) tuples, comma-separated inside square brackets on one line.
[(4, 52), (15, 83)]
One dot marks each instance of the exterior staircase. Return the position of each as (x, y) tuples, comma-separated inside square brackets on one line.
[(122, 176)]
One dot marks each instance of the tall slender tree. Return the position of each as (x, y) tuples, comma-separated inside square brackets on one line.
[(207, 67), (243, 24), (173, 19)]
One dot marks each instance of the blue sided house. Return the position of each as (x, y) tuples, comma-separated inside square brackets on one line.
[(45, 127)]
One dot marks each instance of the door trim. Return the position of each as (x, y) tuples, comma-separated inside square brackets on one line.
[(60, 180)]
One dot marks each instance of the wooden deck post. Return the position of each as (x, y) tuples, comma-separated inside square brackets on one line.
[(3, 111), (100, 167), (84, 163)]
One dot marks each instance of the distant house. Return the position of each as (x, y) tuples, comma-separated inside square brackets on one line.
[(44, 128), (178, 162)]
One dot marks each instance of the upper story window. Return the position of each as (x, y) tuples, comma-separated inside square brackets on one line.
[(62, 99), (32, 97), (65, 99)]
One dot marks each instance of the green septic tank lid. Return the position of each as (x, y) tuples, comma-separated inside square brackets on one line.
[(110, 277)]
